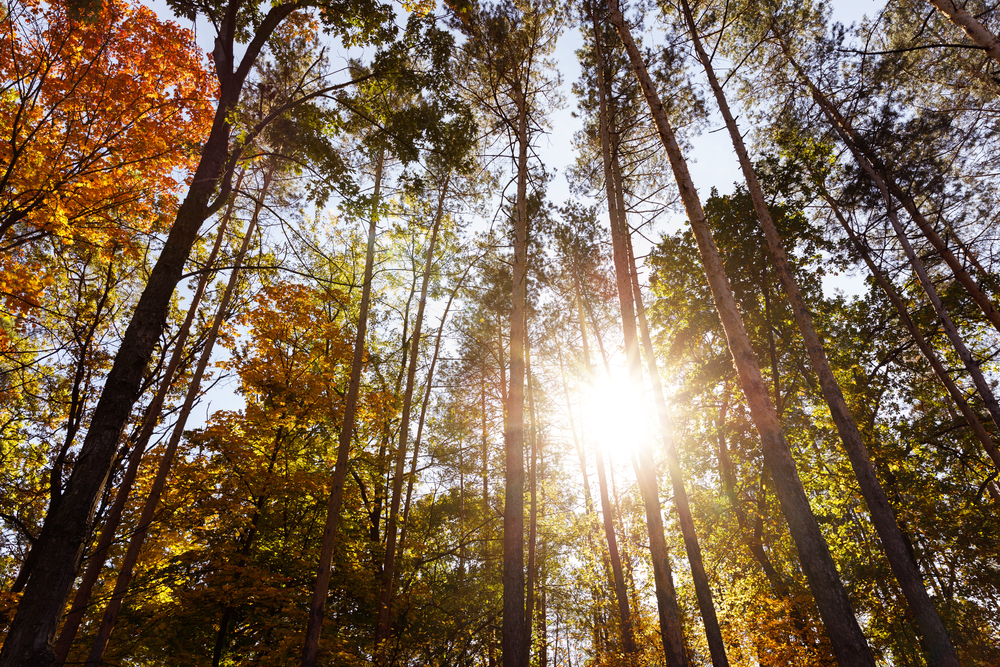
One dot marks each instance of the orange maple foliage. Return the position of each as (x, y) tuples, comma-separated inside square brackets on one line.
[(99, 121)]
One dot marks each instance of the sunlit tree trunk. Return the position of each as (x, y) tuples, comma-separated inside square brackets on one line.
[(935, 637), (976, 31), (515, 644), (849, 642), (322, 586), (529, 612)]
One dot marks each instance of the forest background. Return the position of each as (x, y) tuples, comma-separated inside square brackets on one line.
[(352, 333)]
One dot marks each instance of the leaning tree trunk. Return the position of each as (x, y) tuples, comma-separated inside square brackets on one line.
[(127, 566), (392, 527), (925, 348), (935, 639), (96, 561), (666, 597), (321, 588), (703, 590), (848, 641), (870, 163)]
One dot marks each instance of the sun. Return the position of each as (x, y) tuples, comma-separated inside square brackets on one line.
[(617, 417)]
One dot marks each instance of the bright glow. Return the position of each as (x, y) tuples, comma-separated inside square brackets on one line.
[(616, 417)]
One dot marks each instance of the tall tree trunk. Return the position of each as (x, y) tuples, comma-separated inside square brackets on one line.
[(666, 598), (166, 461), (529, 612), (392, 527), (873, 167), (935, 639), (703, 590), (96, 561), (317, 605), (848, 641), (976, 31), (68, 524), (925, 348), (515, 645)]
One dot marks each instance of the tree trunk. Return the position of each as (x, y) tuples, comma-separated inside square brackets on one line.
[(976, 31), (113, 608), (703, 590), (314, 627), (618, 580), (392, 527), (99, 556), (848, 641), (515, 645), (529, 612), (936, 641)]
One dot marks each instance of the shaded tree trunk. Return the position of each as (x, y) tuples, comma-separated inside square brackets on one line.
[(97, 559)]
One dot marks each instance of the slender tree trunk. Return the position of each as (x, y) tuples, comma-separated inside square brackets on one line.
[(159, 482), (529, 612), (976, 31), (703, 590), (618, 580), (669, 613), (848, 641), (936, 641), (515, 645), (318, 603), (392, 527), (925, 348), (68, 524), (96, 561)]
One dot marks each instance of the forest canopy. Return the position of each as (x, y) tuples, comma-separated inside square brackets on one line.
[(315, 351)]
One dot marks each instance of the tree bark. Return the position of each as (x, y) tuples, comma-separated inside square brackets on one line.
[(848, 641), (314, 628), (529, 612), (937, 643), (703, 590), (976, 31), (669, 613), (97, 559), (127, 567)]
